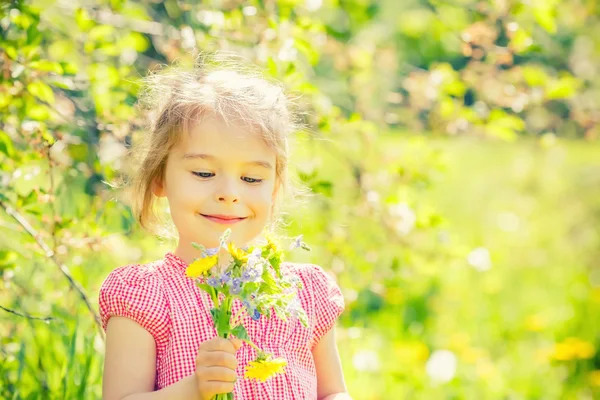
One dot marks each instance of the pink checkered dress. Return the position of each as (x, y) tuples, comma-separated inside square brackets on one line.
[(159, 297)]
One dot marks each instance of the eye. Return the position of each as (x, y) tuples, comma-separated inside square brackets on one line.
[(251, 180), (203, 174)]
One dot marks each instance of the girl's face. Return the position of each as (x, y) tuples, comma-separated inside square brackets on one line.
[(218, 177)]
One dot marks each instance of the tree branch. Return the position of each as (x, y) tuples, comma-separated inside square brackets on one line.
[(52, 257), (45, 319)]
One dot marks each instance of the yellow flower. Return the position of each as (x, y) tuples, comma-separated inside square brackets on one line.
[(594, 378), (271, 244), (200, 266), (263, 370), (573, 348), (236, 253)]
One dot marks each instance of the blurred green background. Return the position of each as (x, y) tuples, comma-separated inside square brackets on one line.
[(452, 149)]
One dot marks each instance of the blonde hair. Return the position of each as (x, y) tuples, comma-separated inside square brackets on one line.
[(221, 86)]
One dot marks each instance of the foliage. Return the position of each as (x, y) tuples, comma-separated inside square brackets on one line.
[(420, 268)]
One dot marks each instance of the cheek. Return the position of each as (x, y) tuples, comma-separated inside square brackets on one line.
[(260, 199), (184, 191)]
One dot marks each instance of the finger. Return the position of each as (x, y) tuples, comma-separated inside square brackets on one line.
[(217, 387), (217, 358), (237, 343), (218, 344), (216, 374)]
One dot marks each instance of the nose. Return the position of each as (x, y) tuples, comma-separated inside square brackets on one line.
[(227, 192)]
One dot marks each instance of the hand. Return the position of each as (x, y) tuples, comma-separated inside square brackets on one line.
[(215, 366)]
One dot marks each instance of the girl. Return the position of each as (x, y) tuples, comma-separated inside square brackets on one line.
[(218, 152)]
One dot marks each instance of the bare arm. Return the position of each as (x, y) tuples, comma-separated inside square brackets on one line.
[(130, 366), (330, 378)]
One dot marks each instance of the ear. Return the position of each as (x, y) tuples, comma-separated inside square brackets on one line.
[(158, 188)]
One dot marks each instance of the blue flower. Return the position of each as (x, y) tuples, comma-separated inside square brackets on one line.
[(252, 274), (226, 278), (248, 275), (211, 252), (236, 286), (297, 242), (213, 281), (256, 315), (249, 307)]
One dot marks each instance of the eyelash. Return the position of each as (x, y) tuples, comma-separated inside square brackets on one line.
[(200, 175)]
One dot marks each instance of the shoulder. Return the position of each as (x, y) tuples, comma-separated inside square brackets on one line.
[(309, 273), (305, 270), (135, 275), (134, 291), (317, 283)]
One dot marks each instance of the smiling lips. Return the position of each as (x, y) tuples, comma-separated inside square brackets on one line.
[(223, 219)]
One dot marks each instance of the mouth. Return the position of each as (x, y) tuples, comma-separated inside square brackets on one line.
[(224, 219)]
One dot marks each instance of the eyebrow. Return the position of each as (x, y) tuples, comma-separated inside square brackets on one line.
[(191, 156)]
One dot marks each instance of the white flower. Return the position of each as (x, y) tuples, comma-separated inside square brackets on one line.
[(407, 218), (480, 259), (373, 197), (313, 5), (508, 221), (441, 366), (366, 360), (354, 332), (254, 257)]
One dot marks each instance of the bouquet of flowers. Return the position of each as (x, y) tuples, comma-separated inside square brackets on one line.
[(253, 276)]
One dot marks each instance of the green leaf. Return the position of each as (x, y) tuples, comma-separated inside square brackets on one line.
[(562, 88), (83, 20), (47, 66), (240, 332), (135, 41), (503, 125), (307, 49), (11, 52), (42, 91), (6, 145), (521, 41), (71, 361), (48, 138), (323, 187), (22, 20), (38, 112), (215, 315), (5, 100), (544, 15), (198, 246), (224, 315), (69, 68), (272, 66), (269, 286), (207, 288), (534, 75), (102, 33)]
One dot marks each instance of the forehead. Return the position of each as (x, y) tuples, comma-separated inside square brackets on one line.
[(225, 141)]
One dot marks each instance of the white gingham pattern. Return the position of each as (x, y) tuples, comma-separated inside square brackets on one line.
[(167, 304)]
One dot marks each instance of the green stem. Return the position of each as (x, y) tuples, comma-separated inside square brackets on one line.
[(253, 345), (235, 318), (223, 396)]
